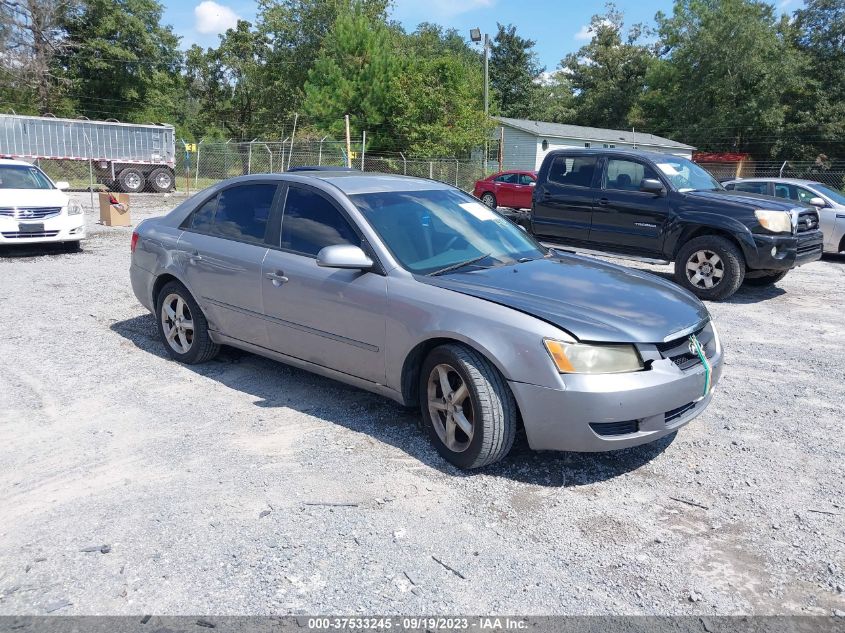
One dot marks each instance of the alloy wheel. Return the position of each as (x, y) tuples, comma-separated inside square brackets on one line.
[(705, 269), (177, 323), (450, 407), (133, 181)]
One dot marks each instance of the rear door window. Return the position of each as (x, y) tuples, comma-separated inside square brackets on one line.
[(243, 212), (751, 187), (573, 171), (507, 178), (311, 222)]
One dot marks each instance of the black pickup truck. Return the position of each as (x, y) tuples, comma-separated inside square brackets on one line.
[(667, 208)]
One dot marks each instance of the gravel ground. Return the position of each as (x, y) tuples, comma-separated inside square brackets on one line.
[(130, 484)]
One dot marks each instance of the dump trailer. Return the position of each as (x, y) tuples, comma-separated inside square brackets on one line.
[(124, 156)]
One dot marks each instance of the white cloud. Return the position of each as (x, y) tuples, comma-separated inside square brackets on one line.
[(214, 18), (586, 33)]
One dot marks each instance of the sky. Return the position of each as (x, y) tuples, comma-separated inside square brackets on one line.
[(558, 26)]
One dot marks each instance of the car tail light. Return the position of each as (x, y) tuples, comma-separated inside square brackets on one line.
[(134, 242)]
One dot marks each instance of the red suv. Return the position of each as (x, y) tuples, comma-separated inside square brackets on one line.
[(512, 188)]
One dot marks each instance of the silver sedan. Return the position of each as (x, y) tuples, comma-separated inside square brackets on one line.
[(414, 290), (829, 202)]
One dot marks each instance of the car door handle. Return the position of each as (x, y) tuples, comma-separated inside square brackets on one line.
[(278, 278), (604, 202)]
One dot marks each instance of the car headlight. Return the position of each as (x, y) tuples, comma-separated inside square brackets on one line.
[(774, 221), (571, 357), (717, 342), (74, 208)]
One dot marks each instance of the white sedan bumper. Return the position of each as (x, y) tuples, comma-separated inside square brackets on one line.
[(59, 228)]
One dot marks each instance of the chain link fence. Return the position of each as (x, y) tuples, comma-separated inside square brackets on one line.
[(830, 173), (213, 162)]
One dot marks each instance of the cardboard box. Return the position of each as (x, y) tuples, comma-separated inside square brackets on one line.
[(114, 215)]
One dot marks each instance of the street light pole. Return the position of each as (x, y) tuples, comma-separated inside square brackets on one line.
[(476, 36)]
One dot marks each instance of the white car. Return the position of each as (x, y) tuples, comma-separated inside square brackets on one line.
[(35, 210)]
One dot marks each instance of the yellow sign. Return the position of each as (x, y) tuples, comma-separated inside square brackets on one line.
[(191, 147)]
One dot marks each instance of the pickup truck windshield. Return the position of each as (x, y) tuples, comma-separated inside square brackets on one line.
[(22, 177), (429, 231), (685, 175)]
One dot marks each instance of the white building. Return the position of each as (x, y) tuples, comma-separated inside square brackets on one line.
[(526, 142)]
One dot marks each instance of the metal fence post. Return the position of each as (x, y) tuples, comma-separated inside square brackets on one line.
[(249, 159), (363, 147), (90, 168), (197, 169), (292, 136), (320, 155), (431, 170), (404, 164), (456, 172)]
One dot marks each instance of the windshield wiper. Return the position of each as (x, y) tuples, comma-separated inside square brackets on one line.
[(468, 262)]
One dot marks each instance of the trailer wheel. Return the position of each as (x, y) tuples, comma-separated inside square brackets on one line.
[(131, 180), (161, 180)]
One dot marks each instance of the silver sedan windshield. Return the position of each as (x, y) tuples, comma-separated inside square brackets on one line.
[(431, 231)]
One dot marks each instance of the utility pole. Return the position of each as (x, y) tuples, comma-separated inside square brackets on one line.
[(475, 36), (348, 145)]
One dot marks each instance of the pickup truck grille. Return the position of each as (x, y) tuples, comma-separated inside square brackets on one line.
[(808, 220), (678, 351), (29, 213)]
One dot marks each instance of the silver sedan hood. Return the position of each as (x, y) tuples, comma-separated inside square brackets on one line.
[(590, 299)]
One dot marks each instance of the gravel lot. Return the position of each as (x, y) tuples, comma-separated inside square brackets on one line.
[(130, 484)]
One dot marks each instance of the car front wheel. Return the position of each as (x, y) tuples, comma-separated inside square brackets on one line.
[(710, 266), (183, 327), (467, 407)]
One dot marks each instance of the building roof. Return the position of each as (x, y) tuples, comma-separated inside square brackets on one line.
[(580, 132)]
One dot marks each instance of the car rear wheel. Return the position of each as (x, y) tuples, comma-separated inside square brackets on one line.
[(161, 180), (490, 200), (183, 327), (771, 277), (131, 180), (467, 407), (711, 267)]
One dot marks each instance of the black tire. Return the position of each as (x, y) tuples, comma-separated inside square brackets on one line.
[(731, 267), (161, 180), (491, 406), (489, 198), (131, 180), (772, 277), (71, 247), (201, 348)]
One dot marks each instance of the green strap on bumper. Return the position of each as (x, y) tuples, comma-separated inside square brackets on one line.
[(708, 368)]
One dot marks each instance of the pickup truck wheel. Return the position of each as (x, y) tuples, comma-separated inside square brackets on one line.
[(710, 266), (161, 180), (467, 407), (131, 180), (490, 200), (772, 277), (182, 326)]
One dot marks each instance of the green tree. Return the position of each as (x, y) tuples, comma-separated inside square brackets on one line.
[(354, 74), (553, 99), (514, 69), (125, 63), (294, 31), (815, 120), (724, 73), (437, 107), (608, 74), (228, 84)]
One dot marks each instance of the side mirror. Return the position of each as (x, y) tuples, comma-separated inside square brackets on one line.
[(652, 185), (62, 185), (344, 256), (818, 202)]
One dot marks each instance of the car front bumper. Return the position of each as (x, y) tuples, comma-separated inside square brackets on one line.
[(789, 251), (61, 228), (613, 411)]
